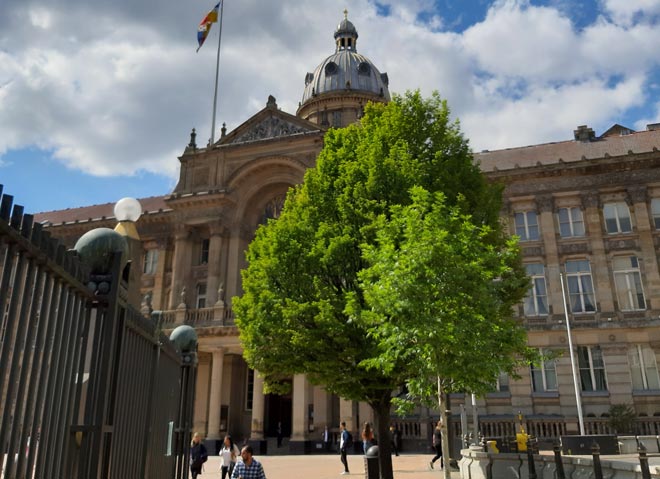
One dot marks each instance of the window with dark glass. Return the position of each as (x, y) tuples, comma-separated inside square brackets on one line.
[(617, 217), (655, 212), (201, 295), (580, 287), (643, 367), (571, 222), (592, 368), (150, 261), (527, 227), (249, 390), (628, 282), (204, 251), (536, 300), (544, 375)]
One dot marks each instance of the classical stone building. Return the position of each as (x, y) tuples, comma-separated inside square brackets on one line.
[(587, 209)]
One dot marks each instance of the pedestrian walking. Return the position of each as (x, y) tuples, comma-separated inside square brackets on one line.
[(198, 455), (395, 439), (249, 467), (437, 445), (228, 456)]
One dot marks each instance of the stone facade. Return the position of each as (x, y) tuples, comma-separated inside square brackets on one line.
[(587, 210)]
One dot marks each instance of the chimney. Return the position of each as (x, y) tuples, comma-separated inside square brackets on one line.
[(584, 133)]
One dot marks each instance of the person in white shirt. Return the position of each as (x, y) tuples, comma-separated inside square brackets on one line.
[(228, 456)]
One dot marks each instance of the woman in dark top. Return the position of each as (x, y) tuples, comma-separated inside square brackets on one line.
[(198, 455)]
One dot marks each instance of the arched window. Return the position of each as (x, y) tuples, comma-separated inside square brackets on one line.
[(273, 209)]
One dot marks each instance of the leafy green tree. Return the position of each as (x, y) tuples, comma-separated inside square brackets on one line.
[(387, 267)]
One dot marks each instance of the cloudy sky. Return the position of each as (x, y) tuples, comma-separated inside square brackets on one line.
[(97, 98)]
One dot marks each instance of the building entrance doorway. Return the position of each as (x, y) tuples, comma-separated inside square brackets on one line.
[(278, 410)]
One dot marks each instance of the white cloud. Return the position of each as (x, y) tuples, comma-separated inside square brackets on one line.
[(120, 93), (625, 12)]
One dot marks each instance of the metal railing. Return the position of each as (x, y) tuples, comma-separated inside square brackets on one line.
[(90, 388)]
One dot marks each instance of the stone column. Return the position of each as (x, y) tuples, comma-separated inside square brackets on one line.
[(651, 277), (257, 438), (215, 393), (257, 427), (346, 414), (599, 270), (214, 277), (546, 208), (322, 409), (159, 298), (181, 264), (299, 411), (238, 242)]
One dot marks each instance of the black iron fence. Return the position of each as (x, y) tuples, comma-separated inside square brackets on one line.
[(90, 389)]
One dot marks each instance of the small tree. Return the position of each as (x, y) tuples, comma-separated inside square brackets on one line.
[(622, 418), (387, 267)]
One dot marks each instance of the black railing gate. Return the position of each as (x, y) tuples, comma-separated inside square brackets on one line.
[(90, 388)]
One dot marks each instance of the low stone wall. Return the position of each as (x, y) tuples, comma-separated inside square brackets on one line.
[(475, 464)]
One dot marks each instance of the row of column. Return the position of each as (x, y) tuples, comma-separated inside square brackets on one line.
[(303, 395)]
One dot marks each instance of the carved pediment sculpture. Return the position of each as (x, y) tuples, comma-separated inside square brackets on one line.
[(272, 127)]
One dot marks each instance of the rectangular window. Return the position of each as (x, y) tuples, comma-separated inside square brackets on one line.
[(617, 217), (571, 222), (544, 376), (150, 261), (201, 295), (527, 227), (655, 212), (580, 287), (204, 251), (502, 384), (249, 391), (643, 367), (592, 368), (628, 282), (536, 301)]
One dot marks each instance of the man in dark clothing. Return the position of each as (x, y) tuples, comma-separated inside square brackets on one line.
[(437, 446), (344, 439), (395, 439)]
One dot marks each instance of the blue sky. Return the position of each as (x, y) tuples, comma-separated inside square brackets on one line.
[(97, 102)]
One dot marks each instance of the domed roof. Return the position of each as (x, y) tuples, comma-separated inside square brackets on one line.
[(345, 27), (346, 69)]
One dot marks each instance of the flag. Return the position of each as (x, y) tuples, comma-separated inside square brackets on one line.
[(205, 25)]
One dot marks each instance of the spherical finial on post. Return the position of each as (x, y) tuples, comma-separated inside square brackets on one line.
[(127, 211)]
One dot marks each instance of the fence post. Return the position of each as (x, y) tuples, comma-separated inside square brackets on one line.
[(595, 452), (530, 460), (558, 461), (643, 461)]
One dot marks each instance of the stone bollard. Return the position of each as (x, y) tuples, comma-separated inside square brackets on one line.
[(371, 466), (643, 462), (530, 459), (556, 448), (595, 453)]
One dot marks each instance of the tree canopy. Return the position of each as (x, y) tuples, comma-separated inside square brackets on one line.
[(387, 267)]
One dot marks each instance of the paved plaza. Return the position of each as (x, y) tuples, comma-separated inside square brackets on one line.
[(412, 466)]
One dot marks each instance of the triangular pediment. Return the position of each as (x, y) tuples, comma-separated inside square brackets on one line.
[(268, 124)]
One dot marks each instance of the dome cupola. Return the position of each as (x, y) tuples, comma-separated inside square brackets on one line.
[(339, 88), (346, 34)]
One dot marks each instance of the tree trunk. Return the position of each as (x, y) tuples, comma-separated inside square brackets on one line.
[(443, 405), (382, 427)]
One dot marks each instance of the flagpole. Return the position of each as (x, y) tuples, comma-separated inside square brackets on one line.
[(217, 69)]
